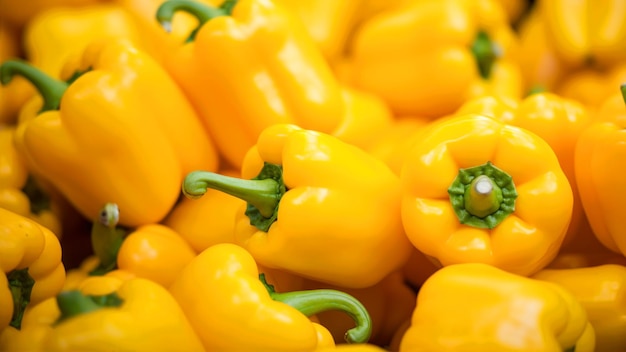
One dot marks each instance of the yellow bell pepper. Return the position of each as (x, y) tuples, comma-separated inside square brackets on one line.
[(249, 65), (426, 58), (19, 191), (328, 22), (418, 269), (599, 158), (189, 218), (135, 100), (111, 314), (57, 34), (601, 291), (30, 261), (586, 32), (478, 190), (154, 252), (232, 309), (557, 120), (592, 86), (477, 307), (309, 195)]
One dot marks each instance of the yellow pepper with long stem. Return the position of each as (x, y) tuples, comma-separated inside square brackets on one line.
[(118, 112), (599, 158), (586, 32), (309, 195), (426, 58), (557, 120), (232, 309), (500, 312), (251, 64), (30, 261), (479, 190), (601, 291)]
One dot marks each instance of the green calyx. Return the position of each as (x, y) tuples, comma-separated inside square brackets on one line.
[(21, 286), (263, 193), (486, 53), (482, 196), (50, 89), (622, 89), (74, 303), (106, 239), (311, 302), (202, 12), (39, 200)]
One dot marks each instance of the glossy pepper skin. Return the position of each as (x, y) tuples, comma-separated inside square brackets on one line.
[(111, 314), (252, 64), (14, 96), (135, 100), (154, 252), (557, 120), (478, 190), (310, 195), (600, 290), (396, 56), (231, 309), (496, 306), (599, 155), (30, 260), (56, 34), (585, 32)]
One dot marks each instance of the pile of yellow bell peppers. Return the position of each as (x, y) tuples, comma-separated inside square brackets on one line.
[(312, 175)]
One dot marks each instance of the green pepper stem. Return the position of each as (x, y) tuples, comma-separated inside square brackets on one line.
[(50, 89), (485, 52), (311, 302), (623, 90), (106, 238), (483, 197), (202, 12), (21, 285), (262, 194), (74, 303)]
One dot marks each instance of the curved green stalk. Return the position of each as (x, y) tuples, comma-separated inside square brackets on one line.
[(263, 193), (50, 89), (311, 302)]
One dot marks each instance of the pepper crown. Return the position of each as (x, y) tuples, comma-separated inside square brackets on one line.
[(482, 196), (311, 302)]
